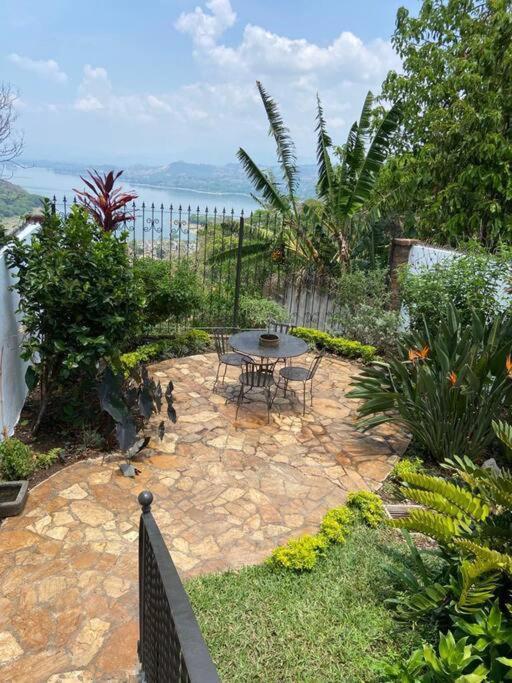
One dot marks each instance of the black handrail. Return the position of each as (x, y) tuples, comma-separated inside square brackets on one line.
[(171, 648)]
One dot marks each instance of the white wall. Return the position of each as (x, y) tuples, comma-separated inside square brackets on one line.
[(13, 389)]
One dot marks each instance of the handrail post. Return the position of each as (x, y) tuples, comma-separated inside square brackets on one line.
[(236, 303)]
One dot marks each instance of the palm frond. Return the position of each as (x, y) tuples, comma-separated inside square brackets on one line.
[(324, 142), (375, 158), (285, 147), (263, 183)]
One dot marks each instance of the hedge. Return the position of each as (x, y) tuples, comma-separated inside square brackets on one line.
[(336, 345)]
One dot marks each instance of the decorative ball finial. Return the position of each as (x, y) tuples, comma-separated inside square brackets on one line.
[(145, 499)]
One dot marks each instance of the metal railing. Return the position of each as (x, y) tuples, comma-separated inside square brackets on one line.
[(254, 261), (171, 648)]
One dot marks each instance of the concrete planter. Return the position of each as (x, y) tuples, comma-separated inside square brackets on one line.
[(13, 496)]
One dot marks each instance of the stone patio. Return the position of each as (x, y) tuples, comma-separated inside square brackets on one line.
[(226, 493)]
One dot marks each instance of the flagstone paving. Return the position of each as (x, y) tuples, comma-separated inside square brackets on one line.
[(226, 493)]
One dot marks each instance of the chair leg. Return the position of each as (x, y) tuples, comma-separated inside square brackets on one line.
[(216, 377), (224, 375), (239, 400), (269, 403), (285, 387), (304, 398), (311, 392)]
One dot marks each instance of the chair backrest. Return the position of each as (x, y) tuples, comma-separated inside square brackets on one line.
[(257, 373), (283, 328), (221, 337), (315, 363)]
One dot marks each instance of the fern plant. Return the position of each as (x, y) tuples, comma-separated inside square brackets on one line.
[(469, 515)]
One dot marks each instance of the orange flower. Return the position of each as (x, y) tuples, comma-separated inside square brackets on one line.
[(419, 354), (452, 378), (508, 365)]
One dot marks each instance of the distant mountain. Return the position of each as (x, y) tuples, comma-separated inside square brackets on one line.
[(15, 201), (229, 178)]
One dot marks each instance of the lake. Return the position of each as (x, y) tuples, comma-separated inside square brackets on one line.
[(47, 183)]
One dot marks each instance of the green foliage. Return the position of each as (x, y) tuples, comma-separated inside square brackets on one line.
[(45, 460), (14, 201), (444, 388), (257, 311), (407, 466), (16, 460), (185, 343), (336, 345), (451, 174), (368, 505), (169, 291), (336, 524), (453, 660), (300, 554), (471, 282), (78, 297), (362, 308)]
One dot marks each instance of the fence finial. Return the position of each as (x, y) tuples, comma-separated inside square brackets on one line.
[(145, 499)]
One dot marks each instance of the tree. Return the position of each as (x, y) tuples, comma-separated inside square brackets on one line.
[(10, 143), (345, 189), (452, 171)]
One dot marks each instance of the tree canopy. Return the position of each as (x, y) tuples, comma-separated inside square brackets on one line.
[(451, 174)]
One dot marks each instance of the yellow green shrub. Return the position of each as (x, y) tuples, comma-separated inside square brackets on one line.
[(336, 345), (336, 524), (300, 554), (369, 507)]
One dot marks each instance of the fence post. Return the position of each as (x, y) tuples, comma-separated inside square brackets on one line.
[(236, 303)]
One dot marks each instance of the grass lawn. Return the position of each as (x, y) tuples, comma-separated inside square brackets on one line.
[(326, 625)]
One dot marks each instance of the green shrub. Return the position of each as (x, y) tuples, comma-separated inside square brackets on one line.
[(257, 311), (444, 387), (336, 523), (369, 506), (362, 309), (336, 345), (170, 291), (300, 554), (16, 460), (472, 282), (45, 460), (181, 344), (406, 466), (78, 297)]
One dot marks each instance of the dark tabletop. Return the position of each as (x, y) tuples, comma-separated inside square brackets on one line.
[(248, 343)]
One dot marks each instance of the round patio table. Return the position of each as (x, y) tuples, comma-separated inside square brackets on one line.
[(248, 343)]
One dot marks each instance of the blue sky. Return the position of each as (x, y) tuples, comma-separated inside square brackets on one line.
[(164, 80)]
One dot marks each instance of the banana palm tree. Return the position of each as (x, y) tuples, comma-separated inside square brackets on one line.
[(346, 189)]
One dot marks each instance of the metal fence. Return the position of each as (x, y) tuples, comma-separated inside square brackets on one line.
[(233, 255), (171, 647)]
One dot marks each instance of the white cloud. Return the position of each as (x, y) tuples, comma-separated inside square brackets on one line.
[(206, 28), (45, 68)]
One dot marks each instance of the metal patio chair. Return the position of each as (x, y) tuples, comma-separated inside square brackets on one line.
[(298, 373), (281, 328), (257, 375), (225, 353)]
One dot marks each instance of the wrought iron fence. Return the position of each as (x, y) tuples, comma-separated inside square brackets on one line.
[(233, 255), (171, 647)]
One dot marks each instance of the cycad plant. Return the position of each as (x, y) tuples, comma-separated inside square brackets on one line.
[(443, 388)]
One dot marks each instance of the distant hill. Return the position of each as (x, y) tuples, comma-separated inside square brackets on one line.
[(15, 201), (229, 178)]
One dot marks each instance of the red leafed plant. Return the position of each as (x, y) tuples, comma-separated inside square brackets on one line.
[(105, 202)]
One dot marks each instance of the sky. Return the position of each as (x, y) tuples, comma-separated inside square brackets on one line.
[(126, 81)]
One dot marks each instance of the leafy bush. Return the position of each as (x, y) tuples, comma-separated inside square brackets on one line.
[(336, 523), (473, 282), (170, 291), (45, 460), (16, 460), (369, 506), (300, 554), (444, 388), (185, 343), (406, 466), (362, 311), (336, 345), (79, 300), (257, 311)]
